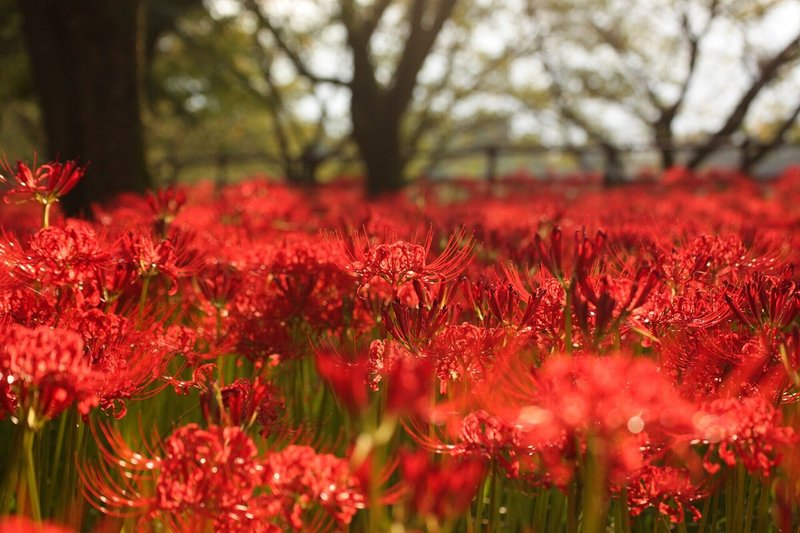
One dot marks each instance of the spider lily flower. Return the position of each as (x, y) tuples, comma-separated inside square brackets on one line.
[(65, 263), (165, 204), (592, 400), (766, 302), (298, 477), (603, 305), (172, 257), (399, 262), (747, 430), (347, 377), (417, 326), (44, 369), (215, 477), (443, 490), (245, 404), (477, 435), (219, 284), (44, 184), (668, 489), (199, 477), (501, 304)]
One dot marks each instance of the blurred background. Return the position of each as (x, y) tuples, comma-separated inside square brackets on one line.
[(162, 91)]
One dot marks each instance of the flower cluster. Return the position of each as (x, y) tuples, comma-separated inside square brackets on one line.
[(521, 357)]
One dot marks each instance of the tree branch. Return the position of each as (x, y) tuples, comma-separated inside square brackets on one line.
[(751, 158), (768, 71), (418, 45), (295, 58)]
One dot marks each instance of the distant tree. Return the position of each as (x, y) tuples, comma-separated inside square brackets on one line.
[(640, 61), (377, 106), (20, 131), (753, 151), (769, 68), (85, 63)]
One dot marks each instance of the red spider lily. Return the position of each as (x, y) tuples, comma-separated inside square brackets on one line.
[(497, 440), (589, 398), (43, 371), (443, 490), (466, 352), (245, 403), (170, 257), (487, 435), (727, 361), (46, 369), (165, 205), (668, 489), (61, 261), (227, 475), (219, 284), (416, 327), (399, 262), (767, 303), (586, 252), (199, 476), (747, 430), (500, 304), (478, 435), (347, 378), (299, 476), (45, 184), (603, 306)]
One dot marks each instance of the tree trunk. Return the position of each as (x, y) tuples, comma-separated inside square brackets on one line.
[(614, 173), (376, 132), (85, 58), (665, 142)]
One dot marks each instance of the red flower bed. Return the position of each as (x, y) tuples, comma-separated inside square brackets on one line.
[(531, 357)]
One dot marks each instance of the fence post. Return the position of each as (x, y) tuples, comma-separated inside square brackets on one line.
[(221, 175), (492, 153)]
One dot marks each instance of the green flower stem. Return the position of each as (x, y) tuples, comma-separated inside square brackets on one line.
[(46, 214), (704, 515), (540, 510), (13, 473), (594, 500), (568, 317), (751, 500), (556, 515), (763, 519), (572, 507), (143, 297), (56, 463), (28, 439), (739, 499), (622, 523), (494, 506), (481, 503)]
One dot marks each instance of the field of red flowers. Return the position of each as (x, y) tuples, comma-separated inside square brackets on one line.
[(521, 356)]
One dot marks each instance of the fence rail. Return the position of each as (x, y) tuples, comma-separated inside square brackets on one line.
[(493, 161)]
